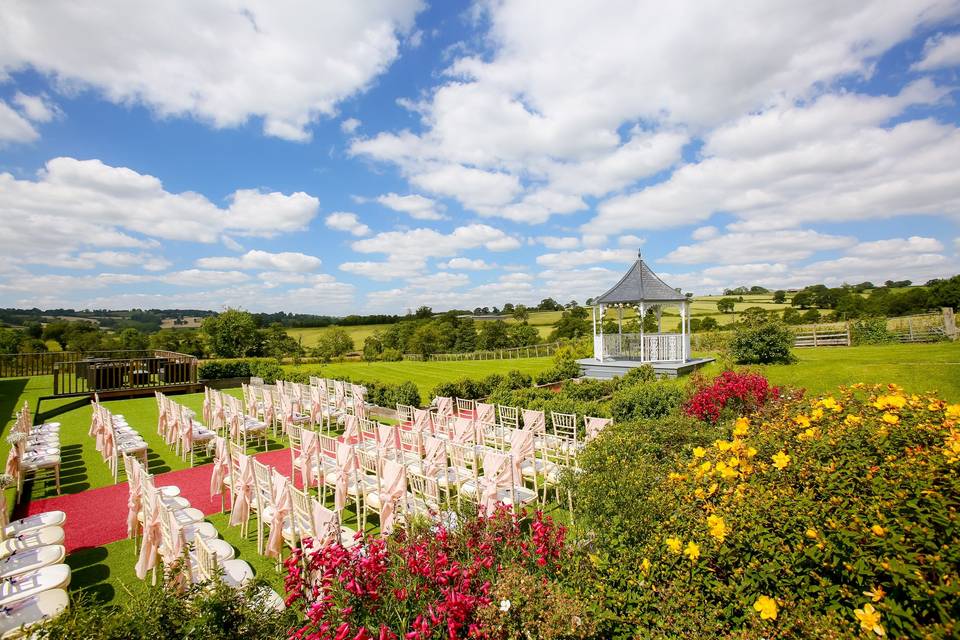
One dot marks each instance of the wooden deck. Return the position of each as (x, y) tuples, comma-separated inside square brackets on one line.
[(592, 368)]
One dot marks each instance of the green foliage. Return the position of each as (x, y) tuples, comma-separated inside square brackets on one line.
[(277, 343), (573, 323), (232, 334), (726, 305), (648, 400), (10, 340), (391, 355), (637, 375), (792, 316), (762, 343), (870, 330), (269, 370), (211, 611), (565, 367), (221, 369), (334, 343)]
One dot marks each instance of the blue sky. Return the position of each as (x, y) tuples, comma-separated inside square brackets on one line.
[(371, 157)]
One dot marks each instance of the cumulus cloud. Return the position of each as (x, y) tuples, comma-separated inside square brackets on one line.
[(568, 259), (350, 125), (416, 206), (939, 52), (36, 108), (743, 248), (467, 264), (554, 242), (256, 259), (897, 246), (346, 221), (287, 64), (14, 127)]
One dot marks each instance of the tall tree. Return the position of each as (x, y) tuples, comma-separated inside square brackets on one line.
[(232, 334)]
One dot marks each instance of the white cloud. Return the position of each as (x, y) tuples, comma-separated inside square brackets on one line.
[(594, 240), (939, 52), (705, 233), (346, 221), (415, 205), (896, 246), (466, 264), (392, 268), (554, 242), (14, 127), (350, 125), (743, 248), (631, 241), (956, 243), (125, 259), (203, 278), (264, 260), (481, 191), (286, 63), (74, 203), (36, 108), (569, 259)]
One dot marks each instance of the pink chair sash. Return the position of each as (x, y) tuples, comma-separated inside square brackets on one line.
[(325, 525), (151, 541), (242, 491), (497, 475), (444, 406), (351, 430), (347, 463), (393, 488), (13, 461), (422, 421), (463, 431), (309, 455), (435, 456), (389, 438), (282, 506), (595, 426), (340, 395), (221, 466), (134, 498), (534, 421), (206, 406), (316, 405), (486, 413), (171, 554), (109, 444), (521, 449)]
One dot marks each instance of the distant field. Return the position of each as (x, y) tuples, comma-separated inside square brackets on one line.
[(427, 375), (311, 335)]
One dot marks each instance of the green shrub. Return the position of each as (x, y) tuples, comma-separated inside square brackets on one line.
[(650, 400), (561, 371), (391, 355), (214, 612), (813, 512), (220, 369), (269, 370), (870, 330), (712, 341), (763, 343), (643, 373)]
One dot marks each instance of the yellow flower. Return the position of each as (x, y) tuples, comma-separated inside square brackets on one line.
[(852, 420), (645, 566), (812, 533), (766, 607), (802, 421), (816, 414), (891, 418), (718, 528), (722, 445), (781, 460), (869, 619), (699, 452), (751, 452), (676, 477), (829, 403), (876, 593), (809, 434), (953, 411), (877, 530), (674, 544), (740, 428), (692, 551), (936, 405), (890, 402), (705, 467)]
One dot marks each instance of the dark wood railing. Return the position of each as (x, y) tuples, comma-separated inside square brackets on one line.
[(136, 370), (23, 365)]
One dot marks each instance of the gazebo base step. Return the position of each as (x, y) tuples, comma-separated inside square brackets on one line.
[(591, 368)]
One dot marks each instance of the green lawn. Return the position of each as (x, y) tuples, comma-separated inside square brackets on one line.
[(916, 367), (426, 375), (311, 335)]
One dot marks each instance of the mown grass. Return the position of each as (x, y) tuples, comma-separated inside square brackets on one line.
[(426, 375), (310, 336)]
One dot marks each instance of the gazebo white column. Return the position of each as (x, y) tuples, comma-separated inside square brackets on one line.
[(602, 310), (683, 331), (596, 350), (659, 312), (642, 308), (619, 329)]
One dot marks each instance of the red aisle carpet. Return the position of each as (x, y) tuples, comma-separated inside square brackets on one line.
[(99, 516)]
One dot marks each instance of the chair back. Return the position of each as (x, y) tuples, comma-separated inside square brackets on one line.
[(509, 416)]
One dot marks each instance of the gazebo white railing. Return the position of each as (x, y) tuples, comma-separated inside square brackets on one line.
[(643, 290)]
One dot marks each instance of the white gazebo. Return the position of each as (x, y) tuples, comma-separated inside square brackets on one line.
[(641, 289)]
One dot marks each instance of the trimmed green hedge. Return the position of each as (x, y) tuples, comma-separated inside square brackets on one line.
[(264, 368)]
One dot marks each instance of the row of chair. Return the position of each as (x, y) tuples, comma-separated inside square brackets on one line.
[(33, 449), (114, 438), (177, 425)]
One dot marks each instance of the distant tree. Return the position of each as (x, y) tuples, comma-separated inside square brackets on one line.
[(372, 347), (549, 304), (572, 324), (780, 296), (232, 334), (802, 299), (522, 335), (10, 340), (753, 315), (726, 305), (425, 340), (757, 289), (572, 304), (334, 343), (423, 313), (277, 343), (589, 302), (707, 323), (33, 329), (495, 311), (485, 311), (465, 339), (791, 316), (521, 313), (811, 316), (493, 335), (133, 340), (508, 307)]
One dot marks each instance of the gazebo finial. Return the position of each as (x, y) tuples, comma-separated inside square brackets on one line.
[(639, 254)]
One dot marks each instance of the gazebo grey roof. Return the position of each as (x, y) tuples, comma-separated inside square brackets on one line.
[(640, 284)]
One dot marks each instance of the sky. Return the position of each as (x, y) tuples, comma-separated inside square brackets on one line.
[(371, 157)]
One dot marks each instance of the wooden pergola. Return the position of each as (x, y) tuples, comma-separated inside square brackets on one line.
[(643, 290)]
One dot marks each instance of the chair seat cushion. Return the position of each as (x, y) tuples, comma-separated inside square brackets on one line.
[(55, 576), (23, 614), (36, 521), (31, 560), (31, 539)]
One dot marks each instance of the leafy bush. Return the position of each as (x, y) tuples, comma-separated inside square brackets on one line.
[(833, 517), (643, 373), (739, 393), (871, 330), (269, 370), (220, 369), (762, 343), (473, 389), (563, 370), (650, 400), (391, 355), (208, 610), (437, 583)]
